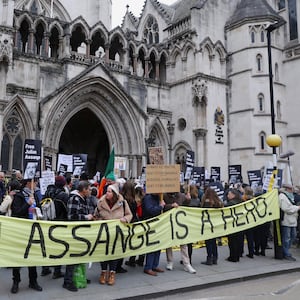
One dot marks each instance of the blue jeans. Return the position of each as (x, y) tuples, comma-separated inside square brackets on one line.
[(211, 248), (288, 235), (152, 260)]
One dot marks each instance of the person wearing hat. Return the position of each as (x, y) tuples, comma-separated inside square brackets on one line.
[(23, 200), (288, 220), (111, 206)]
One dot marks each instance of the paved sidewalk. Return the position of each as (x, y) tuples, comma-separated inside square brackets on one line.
[(137, 285)]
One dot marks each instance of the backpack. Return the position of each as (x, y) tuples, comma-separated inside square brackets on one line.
[(48, 209), (48, 203)]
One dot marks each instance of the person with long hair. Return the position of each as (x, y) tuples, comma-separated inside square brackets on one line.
[(111, 206), (194, 202), (210, 199)]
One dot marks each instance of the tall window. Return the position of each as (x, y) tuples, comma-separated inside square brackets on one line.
[(276, 72), (12, 143), (151, 32), (261, 103), (262, 141), (259, 62), (252, 37), (262, 36), (278, 110), (293, 19)]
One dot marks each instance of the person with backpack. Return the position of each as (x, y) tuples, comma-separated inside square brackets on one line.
[(24, 206), (78, 210), (56, 211), (289, 221)]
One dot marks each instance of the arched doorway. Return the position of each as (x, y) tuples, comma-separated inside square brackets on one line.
[(84, 133)]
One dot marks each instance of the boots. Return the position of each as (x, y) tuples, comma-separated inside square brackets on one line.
[(215, 260), (208, 262), (15, 287), (111, 278), (103, 277)]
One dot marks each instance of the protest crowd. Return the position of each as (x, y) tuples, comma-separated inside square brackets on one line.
[(79, 198)]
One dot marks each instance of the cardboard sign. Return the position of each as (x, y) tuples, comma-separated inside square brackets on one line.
[(162, 179)]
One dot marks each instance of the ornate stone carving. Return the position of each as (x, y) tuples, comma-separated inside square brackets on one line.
[(5, 51), (199, 90), (200, 132)]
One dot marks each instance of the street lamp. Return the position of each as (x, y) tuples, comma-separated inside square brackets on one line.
[(274, 140)]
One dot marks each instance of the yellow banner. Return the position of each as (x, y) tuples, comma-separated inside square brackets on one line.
[(41, 243)]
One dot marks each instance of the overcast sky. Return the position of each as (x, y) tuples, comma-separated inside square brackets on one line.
[(119, 9)]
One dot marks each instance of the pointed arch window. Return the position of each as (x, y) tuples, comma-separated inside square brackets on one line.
[(54, 43), (281, 4), (12, 143), (276, 72), (23, 36), (39, 39), (259, 62), (261, 103), (278, 110), (5, 150), (262, 141), (262, 36), (252, 36), (151, 31)]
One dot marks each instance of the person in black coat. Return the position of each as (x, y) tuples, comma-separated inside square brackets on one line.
[(235, 240), (60, 197), (23, 200)]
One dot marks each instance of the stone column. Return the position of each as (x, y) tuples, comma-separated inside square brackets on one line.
[(157, 70), (134, 63), (200, 153), (88, 48), (46, 53), (30, 48), (171, 129), (146, 68), (107, 53)]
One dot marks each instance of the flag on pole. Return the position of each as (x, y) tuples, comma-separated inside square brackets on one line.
[(108, 174)]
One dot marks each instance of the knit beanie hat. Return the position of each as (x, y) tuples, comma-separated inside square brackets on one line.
[(60, 181), (115, 188)]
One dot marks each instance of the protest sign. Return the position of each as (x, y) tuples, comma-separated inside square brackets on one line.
[(79, 164), (65, 160), (235, 174), (255, 179), (27, 242), (32, 159), (215, 173), (190, 160), (162, 179), (48, 163), (198, 175), (48, 177)]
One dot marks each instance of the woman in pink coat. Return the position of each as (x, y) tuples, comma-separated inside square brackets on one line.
[(111, 206)]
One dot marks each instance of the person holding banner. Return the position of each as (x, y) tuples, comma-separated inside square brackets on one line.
[(210, 199), (152, 206), (111, 206), (21, 204), (78, 210), (235, 240), (174, 200)]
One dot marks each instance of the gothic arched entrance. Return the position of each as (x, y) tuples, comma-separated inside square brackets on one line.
[(84, 133)]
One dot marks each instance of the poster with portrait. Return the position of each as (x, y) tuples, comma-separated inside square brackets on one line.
[(79, 164), (65, 159), (215, 173), (267, 178), (190, 160), (255, 179), (32, 158), (198, 175), (235, 174)]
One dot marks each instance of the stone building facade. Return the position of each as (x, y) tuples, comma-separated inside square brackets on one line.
[(188, 76)]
